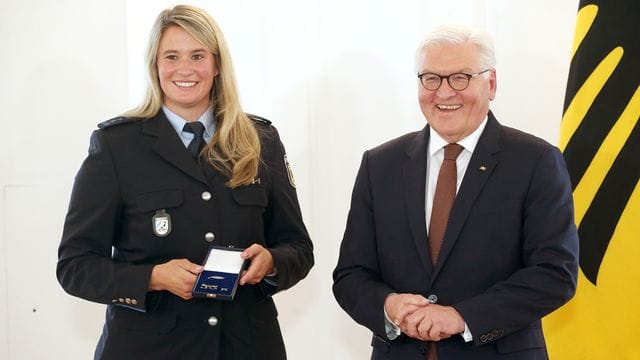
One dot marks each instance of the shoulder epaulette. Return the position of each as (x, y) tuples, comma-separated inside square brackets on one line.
[(115, 121), (259, 119)]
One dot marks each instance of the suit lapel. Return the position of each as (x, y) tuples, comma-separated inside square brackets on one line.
[(480, 168), (169, 146), (414, 172)]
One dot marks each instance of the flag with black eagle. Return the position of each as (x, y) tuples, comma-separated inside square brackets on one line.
[(600, 140)]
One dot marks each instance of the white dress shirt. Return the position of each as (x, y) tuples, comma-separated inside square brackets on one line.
[(434, 161)]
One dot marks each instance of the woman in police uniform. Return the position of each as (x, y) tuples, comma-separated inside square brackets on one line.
[(144, 211)]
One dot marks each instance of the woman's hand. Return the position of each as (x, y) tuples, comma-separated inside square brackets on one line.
[(261, 264), (175, 276)]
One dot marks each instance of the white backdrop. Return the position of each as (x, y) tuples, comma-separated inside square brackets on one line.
[(335, 76)]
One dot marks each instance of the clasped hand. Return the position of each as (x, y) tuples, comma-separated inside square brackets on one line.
[(418, 318)]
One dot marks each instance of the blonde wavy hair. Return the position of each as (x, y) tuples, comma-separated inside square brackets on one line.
[(235, 147)]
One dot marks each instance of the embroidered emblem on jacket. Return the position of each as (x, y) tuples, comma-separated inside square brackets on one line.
[(161, 223)]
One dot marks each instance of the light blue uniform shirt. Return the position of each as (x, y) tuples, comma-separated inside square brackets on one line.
[(207, 118)]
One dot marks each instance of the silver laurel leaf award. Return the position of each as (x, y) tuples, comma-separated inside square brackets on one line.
[(222, 269)]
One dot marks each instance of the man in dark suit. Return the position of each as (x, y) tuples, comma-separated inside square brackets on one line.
[(460, 237)]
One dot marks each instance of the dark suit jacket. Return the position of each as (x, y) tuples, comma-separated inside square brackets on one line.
[(509, 254), (134, 169)]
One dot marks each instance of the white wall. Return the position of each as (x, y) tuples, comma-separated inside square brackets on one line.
[(64, 67), (335, 76)]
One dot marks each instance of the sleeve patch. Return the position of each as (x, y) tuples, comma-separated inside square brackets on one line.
[(292, 180)]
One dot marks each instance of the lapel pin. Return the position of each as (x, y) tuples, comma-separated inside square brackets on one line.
[(483, 168), (255, 181)]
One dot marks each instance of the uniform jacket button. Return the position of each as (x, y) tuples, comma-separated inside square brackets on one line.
[(213, 321), (209, 237), (206, 196), (432, 298)]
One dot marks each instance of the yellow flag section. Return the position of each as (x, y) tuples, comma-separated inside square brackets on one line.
[(600, 139)]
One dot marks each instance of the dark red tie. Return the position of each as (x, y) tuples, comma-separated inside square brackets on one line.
[(443, 199)]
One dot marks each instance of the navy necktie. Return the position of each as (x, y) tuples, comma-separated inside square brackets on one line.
[(196, 145)]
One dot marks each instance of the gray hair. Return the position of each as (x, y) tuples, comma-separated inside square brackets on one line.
[(459, 35)]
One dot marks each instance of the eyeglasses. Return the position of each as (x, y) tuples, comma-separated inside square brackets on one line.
[(457, 81)]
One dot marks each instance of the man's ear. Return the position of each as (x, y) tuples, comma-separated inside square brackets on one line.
[(493, 84)]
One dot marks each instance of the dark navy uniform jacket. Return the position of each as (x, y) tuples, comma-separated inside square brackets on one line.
[(137, 168)]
